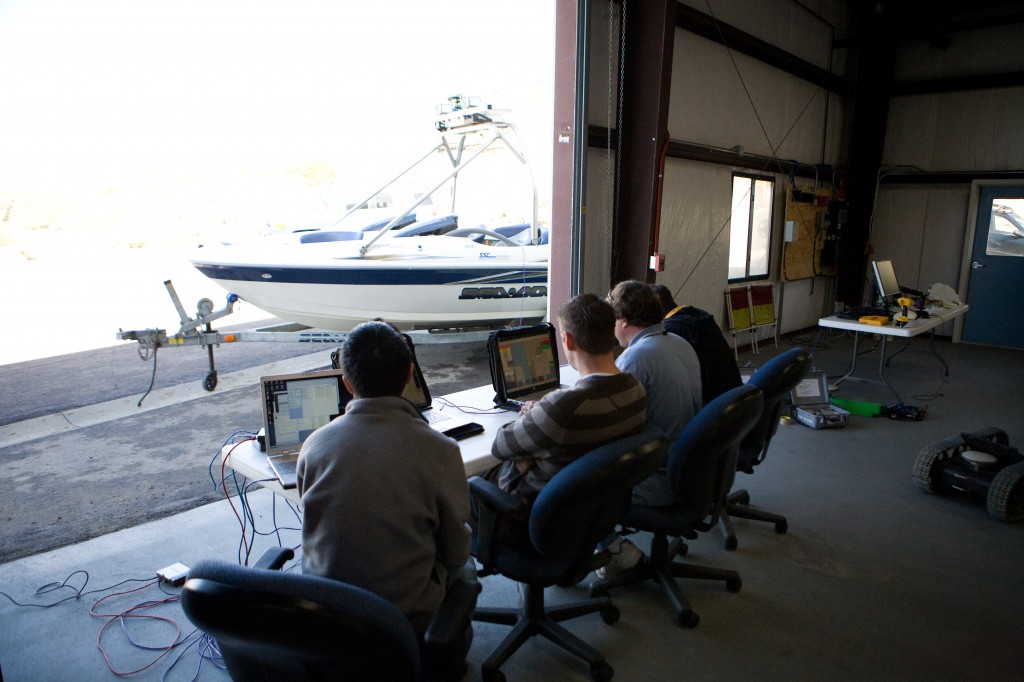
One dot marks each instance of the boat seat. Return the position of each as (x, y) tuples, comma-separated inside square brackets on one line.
[(380, 224), (329, 236), (437, 226)]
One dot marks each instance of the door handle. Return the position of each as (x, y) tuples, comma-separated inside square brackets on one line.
[(975, 265)]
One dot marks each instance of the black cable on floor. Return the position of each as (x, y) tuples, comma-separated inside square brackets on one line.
[(152, 378)]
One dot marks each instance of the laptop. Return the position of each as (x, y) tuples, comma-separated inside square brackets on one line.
[(294, 406), (886, 283), (524, 364), (417, 393)]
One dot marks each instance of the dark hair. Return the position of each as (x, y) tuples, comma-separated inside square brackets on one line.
[(375, 359), (634, 302), (668, 304), (591, 322)]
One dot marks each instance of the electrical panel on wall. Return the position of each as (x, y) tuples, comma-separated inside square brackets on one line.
[(835, 220)]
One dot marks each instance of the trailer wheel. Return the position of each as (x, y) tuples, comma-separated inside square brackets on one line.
[(1006, 495), (210, 382)]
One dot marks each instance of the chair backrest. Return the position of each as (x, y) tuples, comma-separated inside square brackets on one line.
[(776, 379), (273, 625), (701, 460), (582, 503)]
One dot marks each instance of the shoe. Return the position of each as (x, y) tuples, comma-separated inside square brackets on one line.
[(625, 555)]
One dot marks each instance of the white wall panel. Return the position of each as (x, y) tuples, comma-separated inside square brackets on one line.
[(725, 99), (784, 24), (694, 233), (802, 303), (920, 228), (958, 131)]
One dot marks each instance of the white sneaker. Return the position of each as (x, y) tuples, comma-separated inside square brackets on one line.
[(625, 555)]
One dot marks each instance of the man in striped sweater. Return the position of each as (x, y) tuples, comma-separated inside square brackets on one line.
[(604, 405)]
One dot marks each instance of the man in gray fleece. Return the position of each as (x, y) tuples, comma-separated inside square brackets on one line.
[(385, 496)]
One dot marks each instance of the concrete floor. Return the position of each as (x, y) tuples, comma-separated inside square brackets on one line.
[(874, 580), (72, 433)]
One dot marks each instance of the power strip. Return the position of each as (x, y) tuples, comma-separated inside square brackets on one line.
[(175, 574)]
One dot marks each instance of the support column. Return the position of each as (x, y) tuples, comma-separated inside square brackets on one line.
[(643, 133), (875, 65)]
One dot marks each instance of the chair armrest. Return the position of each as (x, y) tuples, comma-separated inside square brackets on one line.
[(494, 503), (274, 558), (448, 626), (494, 497)]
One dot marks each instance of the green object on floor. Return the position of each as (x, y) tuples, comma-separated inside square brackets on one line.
[(860, 408)]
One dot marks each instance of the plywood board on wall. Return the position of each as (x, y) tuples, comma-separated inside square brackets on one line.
[(806, 209)]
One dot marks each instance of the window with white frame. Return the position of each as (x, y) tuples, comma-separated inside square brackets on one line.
[(750, 233)]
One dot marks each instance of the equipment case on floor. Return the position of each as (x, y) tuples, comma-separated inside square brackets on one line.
[(810, 398)]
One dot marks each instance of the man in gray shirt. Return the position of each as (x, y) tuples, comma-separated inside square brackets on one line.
[(668, 368), (385, 496)]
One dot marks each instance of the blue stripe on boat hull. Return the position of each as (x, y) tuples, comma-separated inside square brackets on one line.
[(375, 276)]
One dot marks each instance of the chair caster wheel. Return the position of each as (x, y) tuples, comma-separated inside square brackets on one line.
[(781, 527), (687, 619), (492, 675), (734, 584), (601, 672), (610, 615)]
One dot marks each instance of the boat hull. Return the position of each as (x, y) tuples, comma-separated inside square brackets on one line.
[(463, 289)]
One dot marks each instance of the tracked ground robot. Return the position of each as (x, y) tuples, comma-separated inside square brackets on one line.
[(979, 464)]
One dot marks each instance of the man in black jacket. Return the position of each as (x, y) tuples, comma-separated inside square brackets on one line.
[(718, 369)]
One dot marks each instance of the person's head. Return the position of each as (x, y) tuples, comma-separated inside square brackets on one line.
[(591, 323), (635, 304), (668, 304), (376, 360)]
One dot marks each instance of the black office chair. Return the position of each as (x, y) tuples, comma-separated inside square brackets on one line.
[(698, 466), (776, 379), (274, 625), (576, 509)]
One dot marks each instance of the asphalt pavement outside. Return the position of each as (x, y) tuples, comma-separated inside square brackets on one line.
[(67, 479)]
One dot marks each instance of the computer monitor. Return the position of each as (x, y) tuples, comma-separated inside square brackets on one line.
[(885, 280), (296, 405), (524, 362)]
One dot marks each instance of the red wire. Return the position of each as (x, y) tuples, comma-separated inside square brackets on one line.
[(130, 613)]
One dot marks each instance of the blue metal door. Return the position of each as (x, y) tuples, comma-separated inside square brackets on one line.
[(996, 276)]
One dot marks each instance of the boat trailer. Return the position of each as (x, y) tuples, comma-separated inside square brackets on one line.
[(199, 331)]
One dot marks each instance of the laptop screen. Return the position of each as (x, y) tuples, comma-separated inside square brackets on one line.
[(527, 359), (885, 279), (296, 405), (812, 390), (416, 391)]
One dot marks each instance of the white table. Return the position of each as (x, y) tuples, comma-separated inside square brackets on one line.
[(477, 405), (937, 317)]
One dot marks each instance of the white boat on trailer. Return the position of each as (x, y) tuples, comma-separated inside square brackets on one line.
[(417, 274)]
